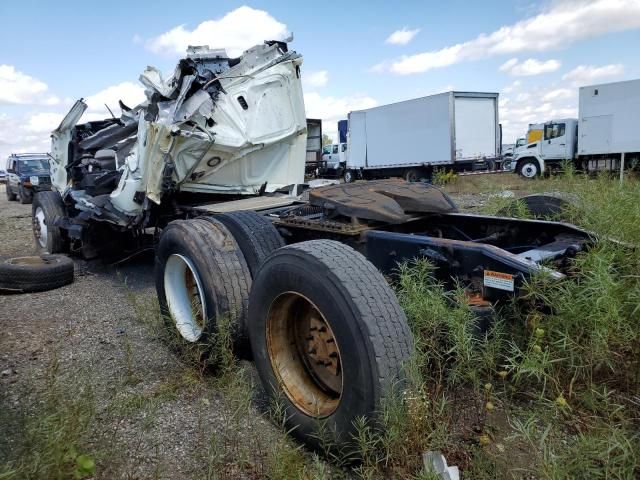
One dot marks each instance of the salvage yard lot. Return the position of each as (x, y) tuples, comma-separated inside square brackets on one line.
[(90, 386)]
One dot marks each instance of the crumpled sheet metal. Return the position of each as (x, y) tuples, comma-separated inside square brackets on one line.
[(390, 201)]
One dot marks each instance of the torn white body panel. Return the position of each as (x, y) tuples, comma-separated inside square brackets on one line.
[(218, 125)]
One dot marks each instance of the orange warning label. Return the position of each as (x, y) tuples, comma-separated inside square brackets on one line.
[(499, 280)]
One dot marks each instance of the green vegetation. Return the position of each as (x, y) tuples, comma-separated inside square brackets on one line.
[(558, 376)]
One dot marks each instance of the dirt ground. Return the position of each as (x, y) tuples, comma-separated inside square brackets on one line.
[(91, 328)]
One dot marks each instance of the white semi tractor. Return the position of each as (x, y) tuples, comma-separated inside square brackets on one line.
[(452, 130), (605, 136)]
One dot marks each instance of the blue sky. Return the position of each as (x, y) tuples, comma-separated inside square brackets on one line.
[(535, 54)]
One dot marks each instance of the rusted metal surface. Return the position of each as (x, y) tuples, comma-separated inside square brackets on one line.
[(310, 217), (304, 354), (390, 201), (321, 353)]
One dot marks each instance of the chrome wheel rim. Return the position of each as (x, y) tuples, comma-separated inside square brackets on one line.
[(40, 228), (185, 297)]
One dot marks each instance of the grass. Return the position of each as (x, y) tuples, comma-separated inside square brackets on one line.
[(551, 391), (560, 384)]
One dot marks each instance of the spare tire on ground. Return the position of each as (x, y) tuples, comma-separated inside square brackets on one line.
[(541, 205), (328, 337), (35, 273)]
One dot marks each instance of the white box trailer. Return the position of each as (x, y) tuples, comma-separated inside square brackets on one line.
[(609, 121), (454, 129)]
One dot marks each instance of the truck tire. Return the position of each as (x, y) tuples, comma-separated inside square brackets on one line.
[(35, 273), (257, 237), (49, 238), (328, 338), (412, 175), (349, 176), (201, 277), (528, 168), (24, 196), (541, 205), (11, 197)]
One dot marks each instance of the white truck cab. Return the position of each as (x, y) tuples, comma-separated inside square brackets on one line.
[(335, 156), (558, 144)]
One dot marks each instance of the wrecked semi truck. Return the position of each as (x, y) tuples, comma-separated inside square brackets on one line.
[(218, 126), (301, 273)]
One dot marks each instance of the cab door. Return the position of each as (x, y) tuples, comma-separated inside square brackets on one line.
[(554, 142)]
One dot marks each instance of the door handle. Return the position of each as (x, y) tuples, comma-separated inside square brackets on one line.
[(562, 144)]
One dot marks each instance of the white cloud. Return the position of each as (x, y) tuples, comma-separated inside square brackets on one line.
[(559, 25), (236, 31), (315, 79), (510, 88), (43, 122), (332, 109), (19, 135), (402, 36), (30, 131), (559, 94), (529, 67), (519, 107), (130, 93), (590, 74), (17, 88)]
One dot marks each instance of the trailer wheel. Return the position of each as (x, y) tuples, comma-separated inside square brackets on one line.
[(328, 337), (46, 207), (528, 168), (255, 234), (412, 175), (349, 176), (201, 276)]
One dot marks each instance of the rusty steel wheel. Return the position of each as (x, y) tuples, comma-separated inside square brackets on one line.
[(328, 338), (304, 354)]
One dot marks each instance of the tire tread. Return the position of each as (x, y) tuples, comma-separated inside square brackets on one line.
[(380, 311), (255, 234)]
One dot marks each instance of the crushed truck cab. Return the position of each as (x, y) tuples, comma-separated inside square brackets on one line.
[(218, 125)]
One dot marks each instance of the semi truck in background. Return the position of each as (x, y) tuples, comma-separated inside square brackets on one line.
[(453, 130), (534, 133), (605, 136)]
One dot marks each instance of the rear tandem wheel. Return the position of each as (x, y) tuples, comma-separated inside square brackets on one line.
[(328, 337)]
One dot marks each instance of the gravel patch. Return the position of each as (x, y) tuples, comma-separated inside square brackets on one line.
[(91, 334)]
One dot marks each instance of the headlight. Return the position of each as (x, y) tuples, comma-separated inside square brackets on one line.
[(34, 180)]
